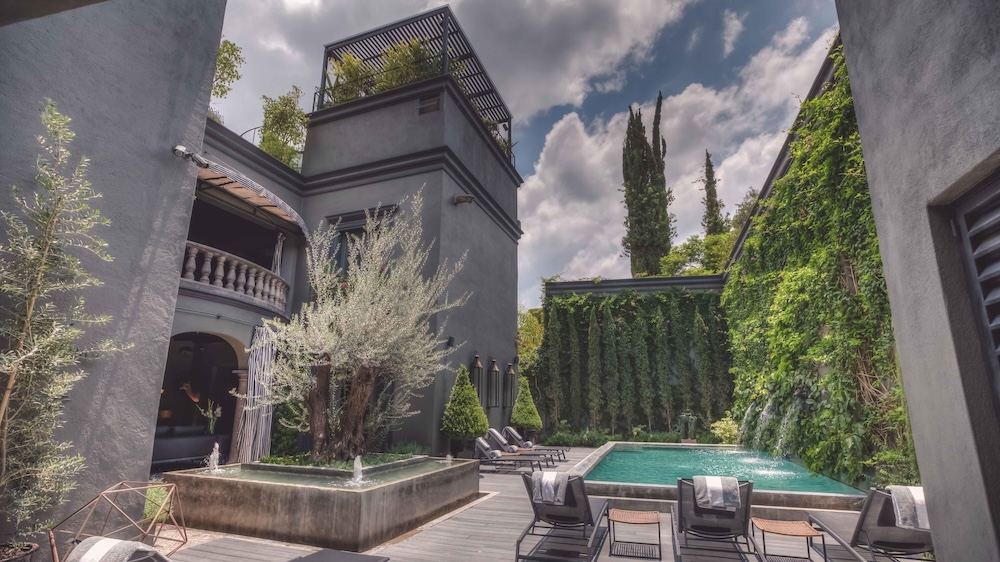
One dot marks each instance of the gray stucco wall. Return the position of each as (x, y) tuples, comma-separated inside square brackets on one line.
[(135, 78), (927, 93)]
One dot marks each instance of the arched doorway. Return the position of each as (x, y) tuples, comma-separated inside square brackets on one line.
[(199, 369)]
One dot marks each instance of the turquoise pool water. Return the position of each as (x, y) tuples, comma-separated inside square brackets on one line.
[(664, 465)]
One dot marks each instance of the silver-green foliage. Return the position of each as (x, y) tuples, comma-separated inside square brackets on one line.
[(42, 318)]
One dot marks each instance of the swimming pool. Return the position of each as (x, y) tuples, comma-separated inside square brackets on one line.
[(663, 465)]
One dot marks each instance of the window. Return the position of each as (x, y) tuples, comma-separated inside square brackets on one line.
[(351, 225)]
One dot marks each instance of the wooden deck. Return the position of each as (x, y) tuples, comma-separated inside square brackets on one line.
[(486, 530)]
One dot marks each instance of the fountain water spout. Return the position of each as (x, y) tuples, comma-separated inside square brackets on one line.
[(213, 459), (357, 470)]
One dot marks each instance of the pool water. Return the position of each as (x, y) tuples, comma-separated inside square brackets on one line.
[(664, 465)]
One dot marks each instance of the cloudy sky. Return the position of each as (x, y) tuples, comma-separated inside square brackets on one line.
[(732, 74)]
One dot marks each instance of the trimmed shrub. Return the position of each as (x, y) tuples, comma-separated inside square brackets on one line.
[(464, 417), (525, 415)]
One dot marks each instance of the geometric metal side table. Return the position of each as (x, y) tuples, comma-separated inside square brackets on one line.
[(788, 529), (635, 549)]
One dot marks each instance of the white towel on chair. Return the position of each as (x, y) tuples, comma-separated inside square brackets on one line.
[(909, 507), (549, 487), (717, 492)]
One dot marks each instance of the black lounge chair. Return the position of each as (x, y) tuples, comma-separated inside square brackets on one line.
[(500, 443), (710, 526), (513, 436), (572, 531), (873, 531), (492, 457)]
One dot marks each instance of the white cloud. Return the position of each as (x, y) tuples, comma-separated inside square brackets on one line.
[(571, 208), (732, 28), (694, 39)]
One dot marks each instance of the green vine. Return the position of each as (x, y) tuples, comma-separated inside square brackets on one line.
[(809, 321), (642, 354)]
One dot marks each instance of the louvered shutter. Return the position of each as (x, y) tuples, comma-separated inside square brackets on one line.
[(977, 222)]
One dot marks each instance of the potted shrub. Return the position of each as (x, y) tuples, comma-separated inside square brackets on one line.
[(464, 418), (524, 417), (41, 323)]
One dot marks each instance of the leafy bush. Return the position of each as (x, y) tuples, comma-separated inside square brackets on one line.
[(595, 438), (727, 430), (408, 448), (305, 459), (708, 438), (155, 497), (464, 417)]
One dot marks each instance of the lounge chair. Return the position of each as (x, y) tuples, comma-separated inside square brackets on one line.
[(572, 531), (497, 441), (102, 549), (490, 456), (514, 437), (712, 527), (873, 531)]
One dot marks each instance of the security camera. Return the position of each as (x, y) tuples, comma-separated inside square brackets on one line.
[(459, 199), (180, 150), (199, 160)]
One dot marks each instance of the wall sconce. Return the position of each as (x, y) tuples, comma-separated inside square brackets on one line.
[(476, 371), (459, 199), (493, 391), (510, 380), (451, 341)]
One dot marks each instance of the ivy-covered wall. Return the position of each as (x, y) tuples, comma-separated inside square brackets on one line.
[(624, 360), (809, 322)]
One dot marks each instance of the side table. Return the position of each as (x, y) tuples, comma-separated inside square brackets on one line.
[(788, 529), (632, 549)]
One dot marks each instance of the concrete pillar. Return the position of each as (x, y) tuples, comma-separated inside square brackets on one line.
[(241, 389)]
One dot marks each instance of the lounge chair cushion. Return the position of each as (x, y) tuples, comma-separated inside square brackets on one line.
[(103, 549)]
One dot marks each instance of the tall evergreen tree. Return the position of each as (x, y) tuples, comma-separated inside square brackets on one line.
[(661, 368), (703, 365), (575, 391), (553, 373), (640, 362), (712, 221), (609, 365), (648, 222), (593, 370), (626, 389)]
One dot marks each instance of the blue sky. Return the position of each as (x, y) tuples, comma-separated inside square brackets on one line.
[(731, 72)]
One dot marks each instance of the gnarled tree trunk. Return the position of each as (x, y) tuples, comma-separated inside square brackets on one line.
[(318, 405), (351, 429)]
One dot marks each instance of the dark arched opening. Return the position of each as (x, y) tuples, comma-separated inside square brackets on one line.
[(199, 370)]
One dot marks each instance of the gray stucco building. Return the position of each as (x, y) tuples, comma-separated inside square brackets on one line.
[(926, 87), (195, 248)]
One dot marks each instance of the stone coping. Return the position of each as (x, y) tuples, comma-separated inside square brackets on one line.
[(667, 492)]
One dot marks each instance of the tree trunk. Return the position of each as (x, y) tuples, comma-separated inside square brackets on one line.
[(351, 438), (318, 405)]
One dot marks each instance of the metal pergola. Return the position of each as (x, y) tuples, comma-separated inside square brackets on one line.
[(440, 33)]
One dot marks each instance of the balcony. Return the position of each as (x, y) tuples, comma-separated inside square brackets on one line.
[(220, 274)]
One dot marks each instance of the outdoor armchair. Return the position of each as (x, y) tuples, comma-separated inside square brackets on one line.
[(711, 524), (575, 530), (873, 531)]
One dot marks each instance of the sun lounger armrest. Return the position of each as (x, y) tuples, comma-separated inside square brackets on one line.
[(517, 546), (822, 526), (597, 523)]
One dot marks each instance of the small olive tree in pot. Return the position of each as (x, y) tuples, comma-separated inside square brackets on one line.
[(464, 418), (524, 417), (42, 319)]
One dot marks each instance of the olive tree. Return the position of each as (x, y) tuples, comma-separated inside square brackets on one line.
[(365, 332)]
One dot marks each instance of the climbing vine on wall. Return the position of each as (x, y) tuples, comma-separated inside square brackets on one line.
[(624, 360), (809, 322)]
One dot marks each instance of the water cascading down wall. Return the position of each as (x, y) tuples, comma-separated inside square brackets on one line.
[(810, 329), (623, 360)]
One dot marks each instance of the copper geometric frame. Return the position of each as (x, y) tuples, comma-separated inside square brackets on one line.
[(111, 514)]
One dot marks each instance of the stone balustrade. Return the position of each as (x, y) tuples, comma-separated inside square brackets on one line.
[(226, 272)]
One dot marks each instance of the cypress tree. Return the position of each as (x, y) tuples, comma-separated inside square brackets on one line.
[(712, 221), (525, 416), (661, 368), (703, 365), (640, 362), (648, 222), (626, 381), (553, 371), (594, 370), (464, 418), (575, 401), (609, 365)]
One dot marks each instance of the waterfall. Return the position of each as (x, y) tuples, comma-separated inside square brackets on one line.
[(744, 425), (791, 415), (762, 422)]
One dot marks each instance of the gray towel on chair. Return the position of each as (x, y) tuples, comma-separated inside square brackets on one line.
[(909, 507), (717, 492), (549, 487)]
